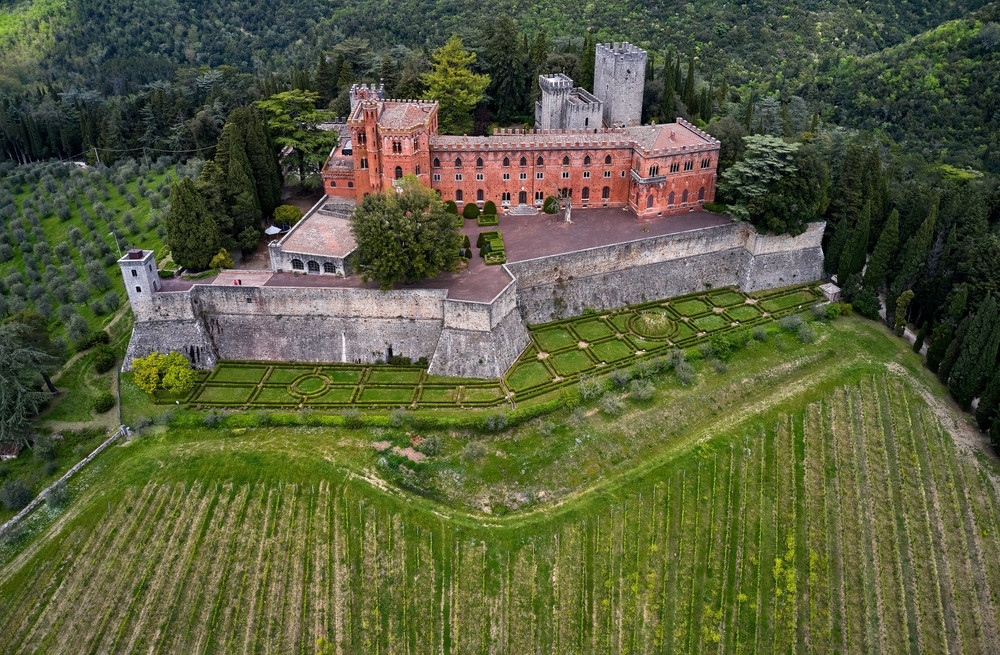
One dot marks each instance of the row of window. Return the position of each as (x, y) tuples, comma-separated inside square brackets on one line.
[(506, 176), (653, 170), (312, 266), (584, 195)]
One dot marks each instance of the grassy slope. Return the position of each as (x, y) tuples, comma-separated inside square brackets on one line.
[(824, 505)]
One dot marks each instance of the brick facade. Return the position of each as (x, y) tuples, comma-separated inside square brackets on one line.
[(651, 170)]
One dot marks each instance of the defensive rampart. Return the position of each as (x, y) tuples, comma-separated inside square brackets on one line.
[(460, 337)]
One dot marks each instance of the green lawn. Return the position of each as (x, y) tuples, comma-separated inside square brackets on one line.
[(726, 299), (655, 323), (554, 339), (277, 395), (612, 350), (309, 385), (710, 323), (790, 300), (527, 374), (333, 395), (592, 330), (386, 395), (231, 373), (286, 375), (571, 362), (692, 307), (343, 375), (481, 394), (743, 313), (229, 395), (438, 394), (390, 375)]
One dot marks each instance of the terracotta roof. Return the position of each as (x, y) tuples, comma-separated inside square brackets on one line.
[(403, 115), (319, 234), (668, 136)]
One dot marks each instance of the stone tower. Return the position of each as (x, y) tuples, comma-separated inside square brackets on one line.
[(549, 113), (141, 280), (619, 80)]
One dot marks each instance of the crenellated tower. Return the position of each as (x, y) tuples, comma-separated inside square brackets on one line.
[(619, 82)]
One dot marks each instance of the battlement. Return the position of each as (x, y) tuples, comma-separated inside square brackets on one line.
[(555, 83), (619, 81), (623, 50)]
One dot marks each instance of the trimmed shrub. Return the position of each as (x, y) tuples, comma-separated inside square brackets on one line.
[(451, 207), (470, 211), (551, 205), (287, 215), (104, 359), (487, 220), (466, 243), (490, 207), (104, 402)]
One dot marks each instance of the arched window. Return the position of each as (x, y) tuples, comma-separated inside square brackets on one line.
[(540, 161), (586, 160), (670, 199), (479, 195), (524, 162), (297, 265), (418, 169), (458, 195), (479, 162), (350, 184), (437, 163), (458, 162), (649, 202), (328, 267), (313, 266), (654, 171), (606, 192), (607, 160), (399, 172), (701, 194), (585, 194), (684, 197), (565, 160), (333, 184), (506, 162)]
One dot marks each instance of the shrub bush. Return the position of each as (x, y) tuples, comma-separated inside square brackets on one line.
[(104, 402), (806, 334), (685, 372), (451, 207), (431, 446), (551, 205), (790, 323), (58, 494), (490, 207), (474, 451), (620, 377), (611, 404), (15, 495), (640, 390), (591, 387), (495, 422), (487, 220), (760, 333), (104, 359), (352, 417), (716, 207), (471, 211)]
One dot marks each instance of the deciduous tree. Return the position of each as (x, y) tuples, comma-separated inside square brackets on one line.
[(295, 122)]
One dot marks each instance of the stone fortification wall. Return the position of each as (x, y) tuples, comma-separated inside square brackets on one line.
[(423, 304), (779, 261), (187, 336)]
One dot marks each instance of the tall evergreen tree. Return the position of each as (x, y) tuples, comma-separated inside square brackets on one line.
[(326, 81), (989, 407), (389, 75), (914, 254), (506, 66), (878, 265), (587, 63), (835, 248), (668, 110), (263, 161), (977, 354), (953, 351), (456, 88), (852, 260), (941, 339), (748, 116), (192, 234), (690, 100), (241, 190)]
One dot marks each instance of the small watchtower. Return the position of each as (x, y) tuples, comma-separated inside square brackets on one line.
[(141, 278), (619, 82), (550, 111)]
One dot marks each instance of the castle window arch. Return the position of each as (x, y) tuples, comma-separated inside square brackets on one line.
[(418, 169), (670, 199), (540, 161), (654, 170), (607, 160), (313, 266), (689, 165), (684, 197), (436, 163), (701, 194), (458, 195), (565, 160), (585, 193), (479, 195), (606, 193), (479, 162), (328, 267), (458, 162), (297, 265), (586, 160), (399, 172), (524, 162), (649, 201), (506, 162)]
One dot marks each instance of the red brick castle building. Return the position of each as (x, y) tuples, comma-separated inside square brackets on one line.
[(650, 169)]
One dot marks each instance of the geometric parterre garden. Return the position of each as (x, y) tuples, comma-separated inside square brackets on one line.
[(852, 524), (559, 353)]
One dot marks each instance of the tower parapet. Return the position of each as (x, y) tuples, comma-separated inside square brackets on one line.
[(619, 82), (361, 92), (141, 279)]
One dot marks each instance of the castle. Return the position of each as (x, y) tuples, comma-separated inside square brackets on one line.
[(589, 149)]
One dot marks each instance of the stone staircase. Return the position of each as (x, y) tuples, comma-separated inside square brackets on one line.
[(522, 210)]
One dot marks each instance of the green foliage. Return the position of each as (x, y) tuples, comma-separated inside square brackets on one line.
[(294, 122), (489, 207), (976, 360), (222, 259), (287, 215), (852, 260), (156, 370), (104, 402), (878, 264), (456, 88), (551, 205), (20, 365), (902, 302), (15, 495), (104, 359), (192, 233), (404, 237), (470, 211)]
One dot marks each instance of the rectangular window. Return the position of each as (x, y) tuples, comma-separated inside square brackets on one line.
[(479, 177), (539, 176), (565, 175), (364, 162), (586, 175), (523, 176), (134, 274), (437, 177), (607, 173), (505, 197), (506, 176), (458, 177), (138, 289)]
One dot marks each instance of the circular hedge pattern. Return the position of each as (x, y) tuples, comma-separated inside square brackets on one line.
[(653, 324), (310, 385)]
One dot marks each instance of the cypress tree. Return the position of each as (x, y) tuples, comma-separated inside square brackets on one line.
[(587, 61), (787, 128), (953, 351), (192, 234), (241, 190), (941, 338), (678, 80), (852, 259), (263, 162), (878, 265), (835, 248), (668, 110), (914, 254), (690, 100), (389, 74), (977, 354), (749, 113), (989, 403), (326, 82)]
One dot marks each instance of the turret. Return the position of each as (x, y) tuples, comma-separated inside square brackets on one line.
[(141, 280), (619, 82)]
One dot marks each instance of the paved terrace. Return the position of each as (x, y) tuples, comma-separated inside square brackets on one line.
[(525, 237)]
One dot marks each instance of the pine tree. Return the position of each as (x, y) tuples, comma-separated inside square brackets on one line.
[(878, 265), (690, 100), (539, 50), (456, 88), (977, 354), (389, 74), (192, 234), (852, 259), (326, 82)]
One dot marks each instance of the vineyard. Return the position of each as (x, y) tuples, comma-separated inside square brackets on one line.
[(854, 525)]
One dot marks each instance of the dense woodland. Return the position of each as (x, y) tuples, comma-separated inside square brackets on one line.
[(882, 119)]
